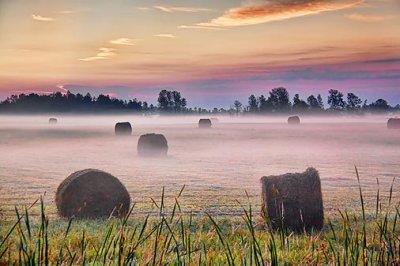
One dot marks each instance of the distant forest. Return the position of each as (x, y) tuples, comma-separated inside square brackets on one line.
[(171, 102)]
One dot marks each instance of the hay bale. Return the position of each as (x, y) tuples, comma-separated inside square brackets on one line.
[(53, 120), (123, 129), (92, 193), (205, 123), (393, 123), (294, 120), (293, 201), (152, 145)]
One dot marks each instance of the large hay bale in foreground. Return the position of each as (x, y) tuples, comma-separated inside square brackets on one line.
[(92, 193), (123, 129), (293, 201), (294, 120), (53, 120), (152, 145), (205, 123), (393, 123)]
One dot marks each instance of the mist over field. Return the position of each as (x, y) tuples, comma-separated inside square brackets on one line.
[(216, 165)]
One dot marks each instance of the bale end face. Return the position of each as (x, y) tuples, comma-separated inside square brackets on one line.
[(92, 193), (205, 123), (294, 120), (152, 145), (293, 201), (123, 129), (393, 123)]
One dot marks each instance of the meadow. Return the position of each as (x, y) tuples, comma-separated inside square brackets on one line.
[(216, 218)]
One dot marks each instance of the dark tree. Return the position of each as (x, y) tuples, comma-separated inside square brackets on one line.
[(171, 101), (299, 105), (320, 101), (279, 99), (313, 103), (264, 104), (379, 105), (253, 105), (238, 107), (335, 100), (353, 102)]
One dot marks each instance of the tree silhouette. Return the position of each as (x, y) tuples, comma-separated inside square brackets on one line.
[(238, 107), (253, 105), (299, 105), (313, 103), (279, 99), (335, 100), (379, 105), (353, 102), (171, 101), (264, 105)]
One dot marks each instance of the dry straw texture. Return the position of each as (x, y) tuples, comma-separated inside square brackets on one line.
[(92, 193), (293, 200)]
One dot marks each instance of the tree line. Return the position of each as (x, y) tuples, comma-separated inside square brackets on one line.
[(278, 101), (171, 102)]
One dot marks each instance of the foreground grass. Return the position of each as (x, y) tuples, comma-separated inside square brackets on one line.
[(177, 238)]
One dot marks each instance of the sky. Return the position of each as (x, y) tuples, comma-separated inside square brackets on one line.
[(214, 52)]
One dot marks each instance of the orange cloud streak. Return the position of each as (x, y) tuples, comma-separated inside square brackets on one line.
[(276, 10)]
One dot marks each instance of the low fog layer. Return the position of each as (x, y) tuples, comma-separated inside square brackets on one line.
[(217, 165)]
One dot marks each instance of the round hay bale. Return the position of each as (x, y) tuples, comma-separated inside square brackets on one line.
[(123, 129), (294, 120), (293, 201), (92, 193), (393, 123), (152, 145), (205, 123), (53, 120)]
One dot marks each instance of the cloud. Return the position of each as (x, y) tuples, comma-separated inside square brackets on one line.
[(124, 41), (165, 35), (274, 10), (199, 27), (382, 61), (67, 12), (105, 53), (182, 9), (364, 18), (41, 18)]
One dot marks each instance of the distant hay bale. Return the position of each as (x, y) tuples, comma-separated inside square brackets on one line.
[(293, 201), (152, 145), (294, 120), (393, 123), (92, 193), (205, 123), (123, 129), (53, 120)]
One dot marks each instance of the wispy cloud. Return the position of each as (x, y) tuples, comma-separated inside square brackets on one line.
[(165, 35), (364, 18), (41, 18), (143, 8), (67, 12), (273, 10), (199, 27), (124, 41), (170, 9), (105, 53)]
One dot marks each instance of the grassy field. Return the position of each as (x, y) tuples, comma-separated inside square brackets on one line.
[(175, 237)]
